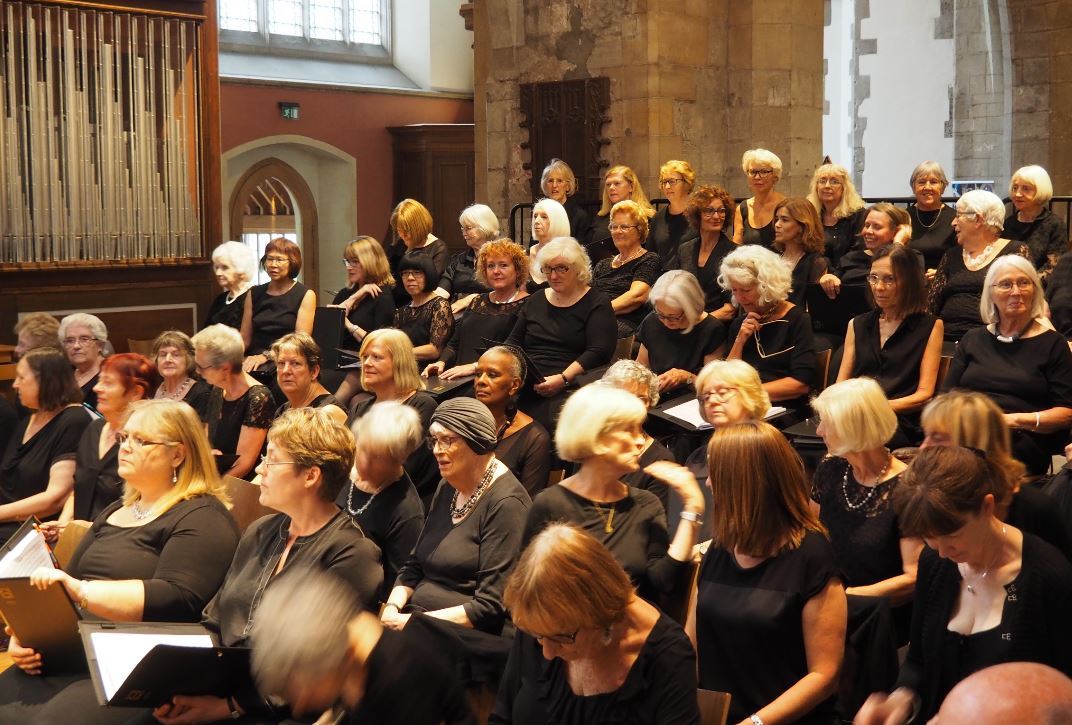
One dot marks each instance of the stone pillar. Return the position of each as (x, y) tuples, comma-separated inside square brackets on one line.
[(700, 80)]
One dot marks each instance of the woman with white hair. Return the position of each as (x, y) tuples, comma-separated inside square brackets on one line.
[(559, 183), (753, 222), (678, 337), (958, 282), (1020, 361), (549, 221), (771, 333), (85, 339), (459, 282), (1029, 221), (932, 221), (601, 429), (235, 269)]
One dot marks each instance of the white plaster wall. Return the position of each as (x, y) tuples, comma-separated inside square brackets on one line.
[(837, 51), (431, 45), (909, 105)]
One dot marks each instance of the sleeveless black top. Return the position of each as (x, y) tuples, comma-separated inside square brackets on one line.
[(274, 315), (764, 235)]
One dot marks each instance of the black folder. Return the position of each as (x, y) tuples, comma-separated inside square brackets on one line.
[(832, 316), (167, 669)]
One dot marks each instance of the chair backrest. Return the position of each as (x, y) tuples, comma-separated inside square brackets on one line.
[(624, 349), (69, 540), (141, 347), (245, 502), (943, 368), (714, 706), (822, 370)]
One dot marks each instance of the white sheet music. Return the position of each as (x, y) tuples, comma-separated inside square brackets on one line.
[(118, 653), (27, 554), (689, 411)]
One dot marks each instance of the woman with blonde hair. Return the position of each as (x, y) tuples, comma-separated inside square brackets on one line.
[(412, 224), (619, 184), (559, 183), (840, 208), (1029, 221), (884, 224), (368, 277), (34, 330), (670, 225), (753, 220), (799, 239), (769, 614), (588, 648), (235, 268)]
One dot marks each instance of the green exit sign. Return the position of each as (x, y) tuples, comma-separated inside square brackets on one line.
[(288, 111)]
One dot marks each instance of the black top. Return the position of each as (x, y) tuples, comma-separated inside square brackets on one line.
[(392, 518), (894, 366), (1046, 237), (467, 563), (1034, 627), (642, 480), (665, 232), (437, 251), (809, 268), (659, 689), (763, 236), (688, 259), (788, 350), (320, 401), (89, 398), (255, 408), (8, 418), (1059, 295), (749, 624), (431, 322), (616, 281), (181, 556), (932, 232), (1023, 376), (863, 527), (199, 397), (483, 319), (527, 453), (671, 349), (273, 315), (1037, 513), (555, 336), (955, 291), (96, 480), (459, 278), (222, 312), (843, 236), (580, 221), (638, 537), (370, 313)]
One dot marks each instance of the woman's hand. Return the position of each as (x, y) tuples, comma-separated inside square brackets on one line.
[(458, 371), (681, 480), (253, 362), (43, 577), (830, 284), (551, 386), (51, 530), (392, 618), (749, 327), (674, 378), (193, 710), (26, 659), (881, 709), (930, 275), (433, 370)]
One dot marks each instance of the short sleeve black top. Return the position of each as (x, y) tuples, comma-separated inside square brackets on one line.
[(273, 315), (616, 281), (255, 408), (764, 235), (749, 624), (428, 323), (670, 349), (688, 259), (436, 250), (96, 479), (843, 236), (199, 397), (666, 232), (89, 397), (459, 278), (788, 350), (24, 467), (659, 689), (370, 313), (932, 233), (222, 312), (955, 291), (554, 336), (527, 453), (483, 319), (895, 365), (181, 556)]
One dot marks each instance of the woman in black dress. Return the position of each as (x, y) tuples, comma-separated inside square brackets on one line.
[(1030, 222), (898, 344), (297, 359), (37, 469), (243, 410), (549, 221), (840, 208), (503, 267), (986, 592), (627, 277), (670, 226), (85, 339), (769, 612), (798, 239), (932, 221), (368, 297), (426, 319), (235, 269), (590, 650), (412, 225), (884, 224), (958, 282), (708, 209), (460, 283), (753, 221), (559, 183), (173, 353), (278, 307)]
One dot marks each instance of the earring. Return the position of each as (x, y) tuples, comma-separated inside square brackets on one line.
[(174, 475), (606, 637)]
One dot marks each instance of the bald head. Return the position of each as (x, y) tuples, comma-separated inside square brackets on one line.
[(1012, 692)]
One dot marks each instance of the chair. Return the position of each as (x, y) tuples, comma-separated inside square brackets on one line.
[(822, 369), (624, 349), (714, 706), (943, 369), (245, 502), (142, 347), (72, 536)]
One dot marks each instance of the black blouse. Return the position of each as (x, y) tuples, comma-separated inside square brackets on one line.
[(96, 480), (1046, 236), (199, 397), (894, 366), (788, 350), (932, 233), (616, 281), (843, 236), (1059, 295), (429, 323), (554, 336), (809, 268), (580, 221), (459, 278), (89, 397), (955, 291), (483, 319), (273, 315), (671, 349), (688, 259), (666, 232), (527, 453), (222, 312), (641, 479), (371, 313), (255, 408)]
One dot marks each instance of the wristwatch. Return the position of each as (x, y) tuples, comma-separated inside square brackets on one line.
[(692, 517)]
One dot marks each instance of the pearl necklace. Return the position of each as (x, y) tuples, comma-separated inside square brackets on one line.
[(179, 394), (350, 501), (457, 512), (504, 302), (972, 260), (626, 260), (872, 490)]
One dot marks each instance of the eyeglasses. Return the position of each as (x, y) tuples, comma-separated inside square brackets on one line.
[(671, 182), (136, 442), (670, 318), (276, 260), (83, 340), (350, 262), (719, 396), (444, 442), (411, 273), (760, 173), (828, 181), (1023, 189), (1006, 285), (266, 463), (885, 280), (556, 638), (622, 227), (759, 342), (967, 214), (713, 211), (202, 368), (554, 269)]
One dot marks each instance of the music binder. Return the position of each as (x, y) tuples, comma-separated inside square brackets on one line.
[(145, 664)]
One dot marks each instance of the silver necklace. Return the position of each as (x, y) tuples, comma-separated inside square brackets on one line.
[(871, 491), (504, 302), (463, 511), (350, 501), (919, 215), (139, 513), (626, 260), (971, 587)]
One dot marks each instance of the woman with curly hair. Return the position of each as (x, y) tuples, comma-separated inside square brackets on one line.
[(708, 209)]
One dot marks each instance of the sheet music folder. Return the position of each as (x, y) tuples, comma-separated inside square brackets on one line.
[(46, 621), (145, 664)]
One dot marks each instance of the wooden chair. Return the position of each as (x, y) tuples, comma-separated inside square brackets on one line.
[(624, 349), (714, 706), (142, 347), (822, 369), (245, 502), (69, 540), (943, 369)]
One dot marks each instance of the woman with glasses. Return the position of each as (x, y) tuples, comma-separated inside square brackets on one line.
[(770, 333), (884, 224), (307, 465), (460, 283), (426, 319), (932, 221), (158, 554), (1030, 222), (472, 536), (84, 339), (708, 209), (620, 183), (840, 208), (549, 221), (588, 649), (958, 282), (670, 225), (678, 337), (565, 329), (753, 221), (279, 306), (412, 225), (627, 277), (297, 359), (235, 269), (174, 355), (1020, 361), (798, 239), (559, 183), (368, 296), (898, 344)]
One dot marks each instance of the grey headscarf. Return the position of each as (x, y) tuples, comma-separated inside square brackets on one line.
[(471, 420)]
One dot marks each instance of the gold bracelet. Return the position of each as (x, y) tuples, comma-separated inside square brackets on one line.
[(83, 603)]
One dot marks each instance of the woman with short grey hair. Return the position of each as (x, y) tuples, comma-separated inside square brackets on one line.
[(85, 342), (559, 183), (932, 221), (235, 268), (459, 282)]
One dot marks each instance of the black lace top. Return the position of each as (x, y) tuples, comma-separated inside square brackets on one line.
[(484, 319), (954, 294), (431, 322)]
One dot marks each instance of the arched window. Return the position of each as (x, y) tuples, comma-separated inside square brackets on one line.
[(329, 28)]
